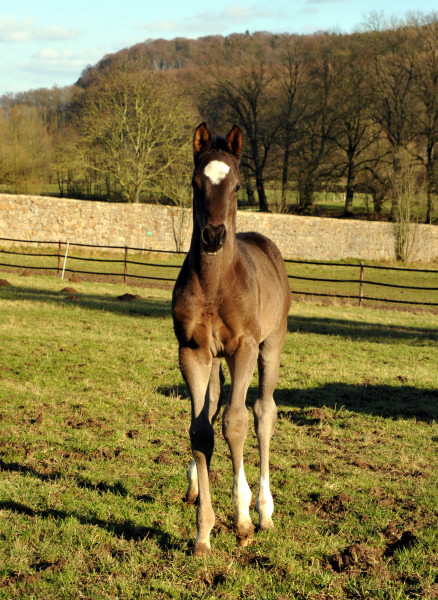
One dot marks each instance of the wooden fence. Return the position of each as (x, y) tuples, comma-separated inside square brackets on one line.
[(62, 261)]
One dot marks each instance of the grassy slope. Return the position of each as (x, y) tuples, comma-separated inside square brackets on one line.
[(94, 448)]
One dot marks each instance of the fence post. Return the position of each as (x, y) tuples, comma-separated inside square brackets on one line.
[(125, 272), (59, 258), (65, 260), (361, 284)]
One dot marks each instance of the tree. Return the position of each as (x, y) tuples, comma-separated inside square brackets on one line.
[(134, 125), (24, 148), (177, 191), (290, 73), (393, 77), (243, 94), (314, 131), (425, 90), (407, 190), (353, 134)]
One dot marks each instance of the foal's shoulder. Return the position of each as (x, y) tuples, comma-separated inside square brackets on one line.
[(263, 243)]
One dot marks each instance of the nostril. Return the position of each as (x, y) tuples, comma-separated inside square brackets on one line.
[(206, 236), (213, 237), (221, 234)]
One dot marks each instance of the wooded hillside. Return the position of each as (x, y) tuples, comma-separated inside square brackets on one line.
[(356, 114)]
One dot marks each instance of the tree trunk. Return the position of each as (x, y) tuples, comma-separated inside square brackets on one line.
[(263, 204), (429, 184), (348, 211), (258, 171), (284, 178), (378, 201), (248, 185), (306, 197)]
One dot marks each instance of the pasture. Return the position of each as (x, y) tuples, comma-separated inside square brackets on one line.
[(94, 447)]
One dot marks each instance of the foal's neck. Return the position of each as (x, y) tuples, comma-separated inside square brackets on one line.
[(213, 270)]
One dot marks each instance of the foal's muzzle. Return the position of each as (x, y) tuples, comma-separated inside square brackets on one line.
[(213, 238)]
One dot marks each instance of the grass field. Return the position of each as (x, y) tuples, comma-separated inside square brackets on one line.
[(94, 447)]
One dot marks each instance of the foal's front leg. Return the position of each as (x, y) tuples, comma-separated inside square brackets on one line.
[(214, 399), (235, 426), (196, 368)]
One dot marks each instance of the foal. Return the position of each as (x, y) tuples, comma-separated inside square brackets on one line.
[(231, 300)]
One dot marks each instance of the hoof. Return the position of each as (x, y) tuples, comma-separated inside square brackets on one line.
[(191, 498), (266, 525), (201, 550), (244, 541), (245, 534)]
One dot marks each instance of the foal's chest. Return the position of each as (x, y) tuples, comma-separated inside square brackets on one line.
[(209, 329)]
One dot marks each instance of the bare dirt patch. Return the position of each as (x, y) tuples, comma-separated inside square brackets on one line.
[(397, 540), (357, 558), (129, 297), (335, 507)]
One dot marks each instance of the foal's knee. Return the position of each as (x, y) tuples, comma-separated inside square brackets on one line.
[(202, 439), (265, 414), (235, 424)]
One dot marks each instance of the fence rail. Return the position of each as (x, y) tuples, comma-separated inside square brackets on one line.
[(157, 271)]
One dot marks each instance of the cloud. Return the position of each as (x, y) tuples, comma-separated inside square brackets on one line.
[(26, 30), (63, 60), (239, 14), (232, 15)]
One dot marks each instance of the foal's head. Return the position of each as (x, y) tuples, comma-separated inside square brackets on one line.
[(216, 180)]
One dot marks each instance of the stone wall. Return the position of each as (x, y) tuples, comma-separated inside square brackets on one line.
[(150, 226)]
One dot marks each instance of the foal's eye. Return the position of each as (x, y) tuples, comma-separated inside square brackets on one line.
[(237, 188)]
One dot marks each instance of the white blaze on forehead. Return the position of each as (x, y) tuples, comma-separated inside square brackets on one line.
[(216, 170)]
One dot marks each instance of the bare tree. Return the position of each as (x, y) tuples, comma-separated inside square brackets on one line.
[(24, 148), (133, 125), (407, 190), (290, 73), (314, 132), (242, 94), (393, 79), (176, 190), (425, 90), (354, 135)]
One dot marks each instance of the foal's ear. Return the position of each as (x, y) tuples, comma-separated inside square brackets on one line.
[(235, 141), (201, 140)]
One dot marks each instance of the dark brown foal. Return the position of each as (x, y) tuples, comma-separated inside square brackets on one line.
[(231, 300)]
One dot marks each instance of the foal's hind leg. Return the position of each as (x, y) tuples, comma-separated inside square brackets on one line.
[(265, 416), (213, 398)]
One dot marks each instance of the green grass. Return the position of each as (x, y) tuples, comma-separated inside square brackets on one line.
[(94, 447)]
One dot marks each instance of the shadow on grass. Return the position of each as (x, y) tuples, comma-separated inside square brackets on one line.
[(393, 402), (126, 529), (117, 488), (147, 307), (359, 330)]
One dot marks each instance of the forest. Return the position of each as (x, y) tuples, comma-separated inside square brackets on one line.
[(355, 115)]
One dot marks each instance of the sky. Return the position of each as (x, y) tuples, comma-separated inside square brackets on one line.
[(49, 42)]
